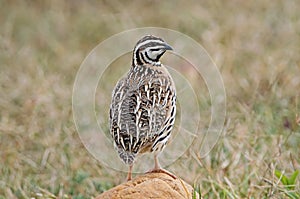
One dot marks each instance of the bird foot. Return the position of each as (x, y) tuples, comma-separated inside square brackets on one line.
[(163, 171), (129, 178)]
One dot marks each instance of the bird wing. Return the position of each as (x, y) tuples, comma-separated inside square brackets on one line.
[(122, 118)]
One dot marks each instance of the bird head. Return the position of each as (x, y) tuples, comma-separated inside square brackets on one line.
[(149, 49)]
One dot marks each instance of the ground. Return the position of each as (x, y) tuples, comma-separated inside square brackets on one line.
[(255, 45)]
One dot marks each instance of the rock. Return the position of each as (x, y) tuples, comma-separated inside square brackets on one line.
[(151, 185)]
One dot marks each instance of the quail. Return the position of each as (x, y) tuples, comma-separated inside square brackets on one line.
[(143, 105)]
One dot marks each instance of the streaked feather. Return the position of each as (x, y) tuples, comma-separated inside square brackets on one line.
[(143, 108)]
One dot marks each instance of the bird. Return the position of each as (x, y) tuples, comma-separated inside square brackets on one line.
[(143, 106)]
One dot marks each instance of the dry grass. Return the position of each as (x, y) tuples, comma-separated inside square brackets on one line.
[(255, 45)]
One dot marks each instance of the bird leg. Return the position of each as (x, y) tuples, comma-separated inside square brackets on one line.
[(158, 169), (129, 175), (156, 163)]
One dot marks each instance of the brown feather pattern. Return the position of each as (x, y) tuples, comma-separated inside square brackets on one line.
[(143, 106)]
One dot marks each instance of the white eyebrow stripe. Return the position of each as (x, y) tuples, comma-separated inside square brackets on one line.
[(146, 42), (156, 47)]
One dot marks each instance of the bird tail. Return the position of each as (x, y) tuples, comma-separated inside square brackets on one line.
[(126, 156)]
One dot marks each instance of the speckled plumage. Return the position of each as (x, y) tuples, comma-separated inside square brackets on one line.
[(143, 107)]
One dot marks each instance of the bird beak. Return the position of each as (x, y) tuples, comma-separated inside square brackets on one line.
[(167, 47)]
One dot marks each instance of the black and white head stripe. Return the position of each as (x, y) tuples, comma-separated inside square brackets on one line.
[(148, 50)]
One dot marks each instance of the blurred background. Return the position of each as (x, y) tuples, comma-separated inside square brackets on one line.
[(255, 44)]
